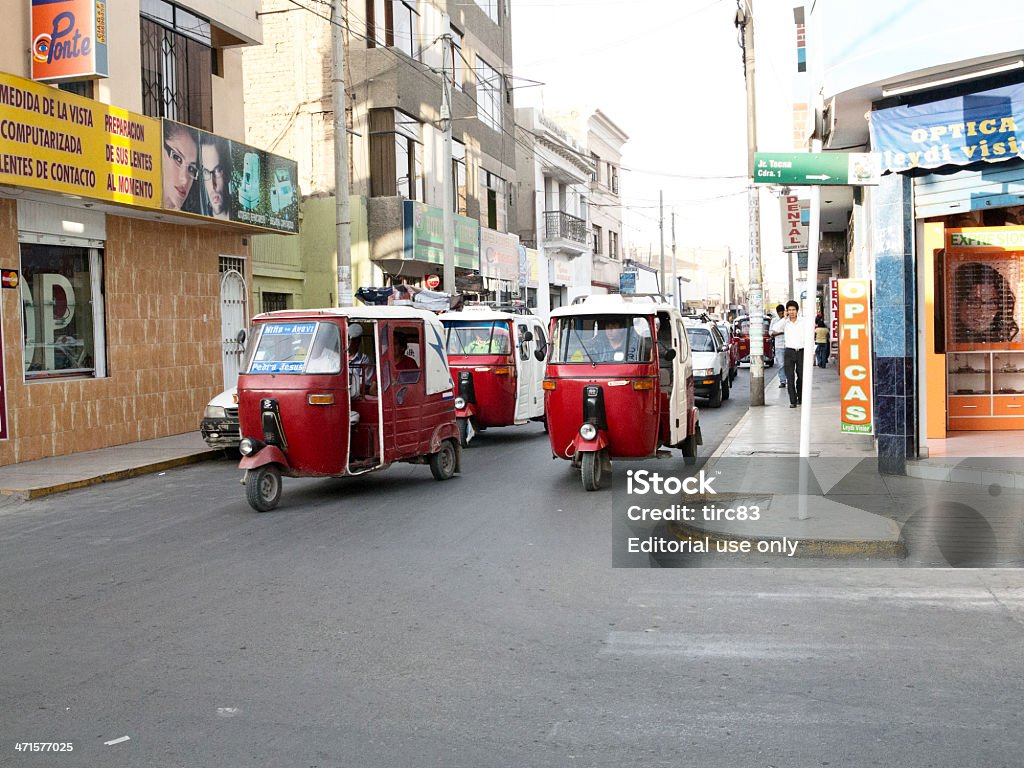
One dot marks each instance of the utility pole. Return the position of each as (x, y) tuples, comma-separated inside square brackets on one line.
[(447, 220), (661, 233), (342, 216), (745, 21), (675, 278)]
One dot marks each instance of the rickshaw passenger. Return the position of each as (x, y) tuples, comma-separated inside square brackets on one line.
[(403, 361), (360, 367)]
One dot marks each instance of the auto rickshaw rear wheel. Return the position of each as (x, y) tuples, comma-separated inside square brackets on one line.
[(593, 470), (263, 487), (442, 463)]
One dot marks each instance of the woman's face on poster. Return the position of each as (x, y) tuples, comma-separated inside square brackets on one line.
[(181, 154), (979, 307)]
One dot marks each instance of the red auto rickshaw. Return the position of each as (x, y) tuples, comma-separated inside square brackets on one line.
[(497, 361), (619, 384), (742, 328), (313, 405)]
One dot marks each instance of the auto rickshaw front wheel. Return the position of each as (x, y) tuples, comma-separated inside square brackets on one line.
[(442, 463), (593, 470), (464, 427), (263, 487)]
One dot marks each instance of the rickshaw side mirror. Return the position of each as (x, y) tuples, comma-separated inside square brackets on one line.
[(526, 336), (240, 336), (669, 355), (540, 354)]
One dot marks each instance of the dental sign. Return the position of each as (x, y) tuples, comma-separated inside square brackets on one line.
[(855, 356), (69, 40)]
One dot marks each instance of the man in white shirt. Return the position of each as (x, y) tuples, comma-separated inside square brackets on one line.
[(776, 331), (796, 333)]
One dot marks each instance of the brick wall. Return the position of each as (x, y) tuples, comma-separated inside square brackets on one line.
[(162, 293)]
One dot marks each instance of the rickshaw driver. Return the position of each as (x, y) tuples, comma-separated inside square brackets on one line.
[(403, 362), (610, 345), (484, 343), (326, 357), (360, 367)]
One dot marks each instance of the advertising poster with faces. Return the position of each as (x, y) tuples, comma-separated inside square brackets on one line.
[(984, 300), (207, 175)]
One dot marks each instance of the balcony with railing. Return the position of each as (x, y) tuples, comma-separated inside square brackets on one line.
[(564, 232)]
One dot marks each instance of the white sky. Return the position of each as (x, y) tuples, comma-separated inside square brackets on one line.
[(670, 74)]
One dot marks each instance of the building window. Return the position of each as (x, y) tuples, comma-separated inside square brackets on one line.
[(396, 155), (177, 64), (272, 302), (597, 234), (492, 201), (459, 178), (488, 95), (490, 7), (402, 25), (595, 171), (613, 245), (62, 312), (613, 178), (79, 88), (456, 63)]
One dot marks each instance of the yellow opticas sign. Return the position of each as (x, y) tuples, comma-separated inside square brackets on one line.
[(61, 142)]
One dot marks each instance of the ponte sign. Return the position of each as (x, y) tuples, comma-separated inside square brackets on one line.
[(800, 169), (69, 40)]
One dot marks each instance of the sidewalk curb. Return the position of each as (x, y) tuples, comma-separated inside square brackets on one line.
[(29, 494), (832, 548)]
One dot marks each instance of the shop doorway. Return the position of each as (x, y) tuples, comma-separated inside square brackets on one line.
[(233, 316)]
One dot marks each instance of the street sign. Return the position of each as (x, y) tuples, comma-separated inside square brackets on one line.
[(806, 168), (432, 281)]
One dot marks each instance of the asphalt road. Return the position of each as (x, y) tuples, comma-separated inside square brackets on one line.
[(392, 621)]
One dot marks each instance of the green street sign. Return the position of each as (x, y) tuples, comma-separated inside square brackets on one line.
[(804, 168)]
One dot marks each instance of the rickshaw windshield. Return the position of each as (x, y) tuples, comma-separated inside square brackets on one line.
[(601, 339), (700, 340), (743, 327), (297, 348), (475, 337)]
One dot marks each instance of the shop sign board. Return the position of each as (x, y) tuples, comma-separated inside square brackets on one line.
[(817, 168), (627, 282), (833, 292), (855, 388), (423, 227), (499, 255), (794, 227), (61, 142), (206, 175), (69, 40)]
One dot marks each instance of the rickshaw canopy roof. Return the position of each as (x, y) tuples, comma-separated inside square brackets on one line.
[(485, 314), (388, 312), (615, 304)]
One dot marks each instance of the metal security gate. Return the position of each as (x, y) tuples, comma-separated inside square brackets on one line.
[(233, 316)]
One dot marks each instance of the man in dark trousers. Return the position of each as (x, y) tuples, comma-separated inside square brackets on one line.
[(797, 333)]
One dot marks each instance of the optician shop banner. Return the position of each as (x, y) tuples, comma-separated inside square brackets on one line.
[(61, 142), (855, 393), (210, 176), (988, 126)]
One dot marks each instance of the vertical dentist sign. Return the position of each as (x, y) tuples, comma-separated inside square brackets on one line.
[(69, 40)]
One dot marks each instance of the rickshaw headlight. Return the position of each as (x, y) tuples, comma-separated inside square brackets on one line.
[(214, 412), (247, 446), (588, 431), (460, 403), (703, 371)]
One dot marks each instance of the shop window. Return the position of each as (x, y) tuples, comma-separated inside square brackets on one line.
[(273, 302), (62, 312), (177, 64)]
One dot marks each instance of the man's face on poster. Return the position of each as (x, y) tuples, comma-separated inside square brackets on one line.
[(215, 181)]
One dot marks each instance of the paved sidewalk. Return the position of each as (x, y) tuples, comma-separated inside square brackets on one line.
[(32, 479)]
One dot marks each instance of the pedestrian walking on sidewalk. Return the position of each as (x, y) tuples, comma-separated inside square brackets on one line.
[(776, 332), (820, 343), (796, 334)]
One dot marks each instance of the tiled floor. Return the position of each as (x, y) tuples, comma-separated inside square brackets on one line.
[(1001, 444)]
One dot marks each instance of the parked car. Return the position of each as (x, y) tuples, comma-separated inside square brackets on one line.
[(219, 426), (742, 327), (733, 343), (711, 359)]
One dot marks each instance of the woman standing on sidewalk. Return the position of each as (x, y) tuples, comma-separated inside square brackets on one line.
[(820, 343)]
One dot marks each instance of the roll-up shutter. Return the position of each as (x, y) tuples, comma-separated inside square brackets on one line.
[(990, 185)]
